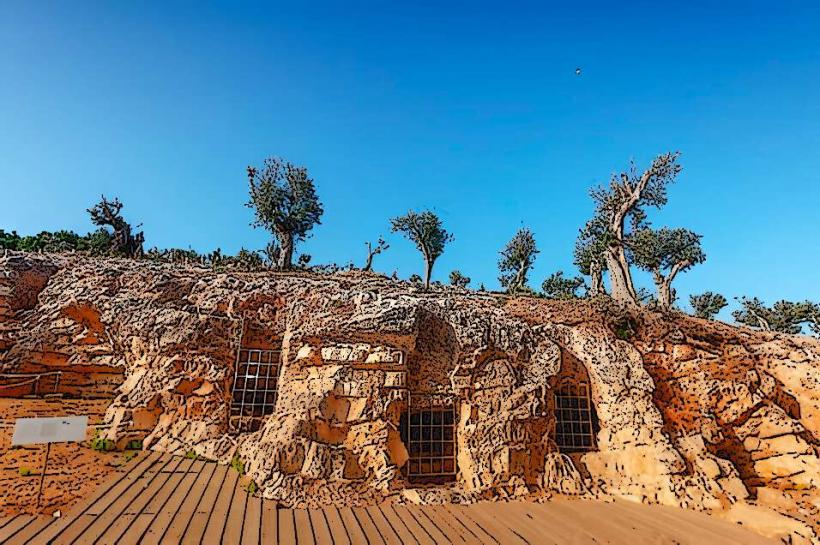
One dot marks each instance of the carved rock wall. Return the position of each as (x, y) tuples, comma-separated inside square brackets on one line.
[(687, 412)]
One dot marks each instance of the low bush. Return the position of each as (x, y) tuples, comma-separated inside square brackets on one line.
[(238, 464), (101, 444)]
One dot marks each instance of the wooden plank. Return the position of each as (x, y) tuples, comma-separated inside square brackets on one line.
[(337, 526), (604, 526), (199, 522), (429, 526), (414, 529), (694, 520), (681, 527), (449, 527), (29, 532), (373, 534), (513, 521), (287, 527), (127, 471), (321, 530), (269, 532), (398, 525), (232, 534), (460, 514), (669, 530), (355, 532), (179, 524), (219, 514), (180, 492), (251, 532), (538, 523), (505, 525), (304, 530), (172, 476), (386, 530), (15, 525), (117, 519), (150, 465), (500, 532), (73, 524)]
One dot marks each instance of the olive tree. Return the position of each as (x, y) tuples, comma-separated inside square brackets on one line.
[(620, 210), (707, 305), (664, 253), (516, 260), (458, 279), (783, 316), (373, 251), (558, 287), (107, 214), (590, 255), (283, 197), (425, 230)]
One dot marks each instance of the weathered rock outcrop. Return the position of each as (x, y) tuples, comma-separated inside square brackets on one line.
[(684, 411)]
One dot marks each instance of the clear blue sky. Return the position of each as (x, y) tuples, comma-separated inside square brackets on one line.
[(472, 109)]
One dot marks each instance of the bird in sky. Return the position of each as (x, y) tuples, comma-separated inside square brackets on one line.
[(577, 71)]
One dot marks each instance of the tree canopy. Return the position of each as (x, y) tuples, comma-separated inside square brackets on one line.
[(589, 254), (620, 209), (96, 243), (664, 253), (425, 230), (707, 305), (458, 279), (558, 287), (783, 316), (517, 258), (283, 197), (122, 242), (373, 251)]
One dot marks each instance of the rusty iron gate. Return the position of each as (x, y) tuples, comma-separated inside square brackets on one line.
[(253, 395), (573, 417), (429, 431)]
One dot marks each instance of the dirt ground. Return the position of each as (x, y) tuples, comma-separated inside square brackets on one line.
[(74, 469)]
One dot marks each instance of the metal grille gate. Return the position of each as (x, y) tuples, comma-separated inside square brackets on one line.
[(428, 430), (573, 417), (253, 395)]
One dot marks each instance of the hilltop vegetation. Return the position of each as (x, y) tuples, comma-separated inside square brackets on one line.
[(617, 238)]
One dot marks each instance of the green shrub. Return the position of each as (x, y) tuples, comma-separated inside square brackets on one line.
[(101, 444), (238, 464), (134, 444), (625, 328), (252, 488), (130, 455), (191, 455), (25, 472)]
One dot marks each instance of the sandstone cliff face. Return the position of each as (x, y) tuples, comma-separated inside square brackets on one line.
[(684, 411)]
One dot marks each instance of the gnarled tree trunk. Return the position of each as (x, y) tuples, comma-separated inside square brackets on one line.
[(620, 279), (428, 271), (664, 283), (596, 279), (286, 254), (664, 287)]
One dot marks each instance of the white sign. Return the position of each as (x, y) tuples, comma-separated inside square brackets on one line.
[(60, 429)]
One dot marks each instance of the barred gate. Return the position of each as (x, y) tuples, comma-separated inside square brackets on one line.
[(573, 417), (429, 431), (253, 395)]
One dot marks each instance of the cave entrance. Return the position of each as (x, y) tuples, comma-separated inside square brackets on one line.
[(429, 431), (253, 396), (574, 430)]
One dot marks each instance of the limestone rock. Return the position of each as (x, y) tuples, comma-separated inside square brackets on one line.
[(680, 411)]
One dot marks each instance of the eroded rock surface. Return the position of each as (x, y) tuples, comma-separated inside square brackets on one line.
[(684, 411)]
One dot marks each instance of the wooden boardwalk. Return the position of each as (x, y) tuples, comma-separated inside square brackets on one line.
[(159, 499)]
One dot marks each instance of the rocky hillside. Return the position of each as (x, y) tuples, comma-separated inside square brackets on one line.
[(684, 411)]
